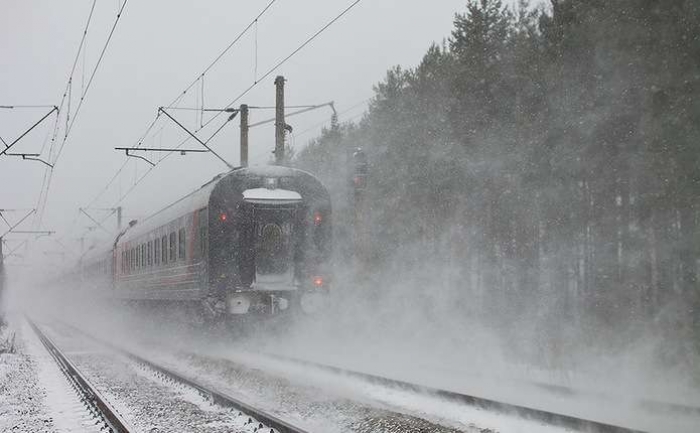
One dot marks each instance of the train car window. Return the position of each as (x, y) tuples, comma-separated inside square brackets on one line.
[(164, 251), (150, 253), (181, 244), (143, 255), (156, 251), (133, 259), (203, 241), (173, 247), (203, 223)]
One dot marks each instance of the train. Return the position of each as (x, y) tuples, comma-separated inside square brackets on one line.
[(252, 241)]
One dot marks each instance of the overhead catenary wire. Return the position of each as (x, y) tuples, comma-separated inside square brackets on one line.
[(250, 107), (267, 74), (184, 92), (46, 185), (12, 107), (347, 110), (27, 131), (292, 54), (241, 95), (126, 162), (5, 219), (90, 80), (223, 53)]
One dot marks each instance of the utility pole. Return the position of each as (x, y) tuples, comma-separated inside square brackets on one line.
[(244, 135), (279, 121)]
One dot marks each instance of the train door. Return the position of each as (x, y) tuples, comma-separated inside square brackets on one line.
[(274, 246)]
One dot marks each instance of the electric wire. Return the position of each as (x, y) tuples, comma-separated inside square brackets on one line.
[(90, 80), (311, 128), (235, 40), (11, 107), (250, 107), (44, 186), (269, 72), (242, 94), (187, 89), (42, 203), (5, 219)]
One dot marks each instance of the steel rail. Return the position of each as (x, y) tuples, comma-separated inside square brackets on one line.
[(566, 421), (217, 397), (646, 403), (115, 423)]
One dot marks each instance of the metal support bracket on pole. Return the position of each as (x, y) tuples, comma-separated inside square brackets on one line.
[(152, 149), (8, 146), (162, 110), (12, 228), (30, 157)]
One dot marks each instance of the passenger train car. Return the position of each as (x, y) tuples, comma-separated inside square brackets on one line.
[(253, 240)]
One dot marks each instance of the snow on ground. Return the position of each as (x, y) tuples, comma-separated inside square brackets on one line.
[(329, 401), (146, 401), (429, 407), (463, 375), (22, 406), (34, 395), (586, 404), (309, 404), (62, 402)]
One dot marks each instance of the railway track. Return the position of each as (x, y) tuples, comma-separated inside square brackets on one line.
[(266, 421), (96, 404), (561, 420), (278, 425)]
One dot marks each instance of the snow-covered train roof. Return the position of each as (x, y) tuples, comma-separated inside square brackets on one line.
[(267, 195), (200, 198)]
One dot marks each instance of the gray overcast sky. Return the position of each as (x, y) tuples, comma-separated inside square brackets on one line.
[(161, 46)]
